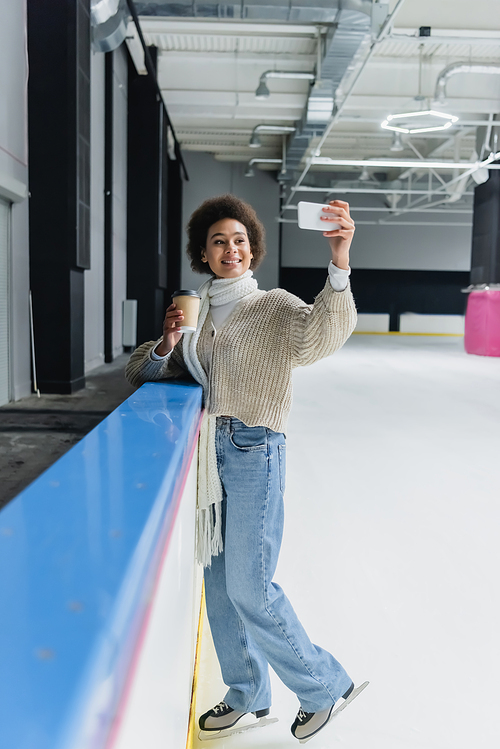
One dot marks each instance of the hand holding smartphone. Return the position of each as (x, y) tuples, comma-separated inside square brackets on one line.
[(309, 217)]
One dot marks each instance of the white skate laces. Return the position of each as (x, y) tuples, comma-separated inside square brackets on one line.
[(307, 725), (221, 708), (222, 721)]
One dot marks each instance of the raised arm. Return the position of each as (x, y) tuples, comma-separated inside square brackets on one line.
[(340, 239), (321, 328)]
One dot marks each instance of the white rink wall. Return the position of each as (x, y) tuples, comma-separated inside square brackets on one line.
[(156, 713)]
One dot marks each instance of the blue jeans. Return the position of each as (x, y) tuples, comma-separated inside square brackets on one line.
[(253, 623)]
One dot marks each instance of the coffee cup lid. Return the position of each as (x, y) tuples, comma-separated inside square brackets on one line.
[(186, 292)]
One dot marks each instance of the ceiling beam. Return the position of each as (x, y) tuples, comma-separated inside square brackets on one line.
[(460, 123), (409, 35), (363, 191), (169, 25)]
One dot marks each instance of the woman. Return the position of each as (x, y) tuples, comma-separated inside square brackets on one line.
[(243, 352)]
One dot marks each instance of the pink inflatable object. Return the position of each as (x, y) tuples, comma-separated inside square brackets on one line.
[(482, 323)]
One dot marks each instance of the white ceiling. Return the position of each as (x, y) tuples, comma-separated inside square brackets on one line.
[(209, 69)]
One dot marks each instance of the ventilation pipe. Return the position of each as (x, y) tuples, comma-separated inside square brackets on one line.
[(251, 173), (461, 67), (271, 129), (348, 25), (279, 11), (342, 45), (486, 144), (483, 138), (109, 24), (262, 89)]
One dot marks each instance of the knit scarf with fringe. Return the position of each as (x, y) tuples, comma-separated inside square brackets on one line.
[(216, 291)]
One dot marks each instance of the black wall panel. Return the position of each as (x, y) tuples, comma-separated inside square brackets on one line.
[(389, 291), (82, 111), (174, 228), (154, 200), (109, 82), (59, 177), (485, 263)]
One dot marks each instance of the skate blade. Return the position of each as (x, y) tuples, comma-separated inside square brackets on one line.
[(355, 692), (211, 735)]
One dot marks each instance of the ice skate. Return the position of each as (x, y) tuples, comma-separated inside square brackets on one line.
[(307, 725), (223, 721)]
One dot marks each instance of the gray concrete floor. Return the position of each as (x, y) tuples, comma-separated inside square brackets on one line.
[(35, 432)]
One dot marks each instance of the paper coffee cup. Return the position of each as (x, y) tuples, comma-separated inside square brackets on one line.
[(189, 302)]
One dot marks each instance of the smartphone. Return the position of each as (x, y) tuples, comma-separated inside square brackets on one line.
[(309, 215)]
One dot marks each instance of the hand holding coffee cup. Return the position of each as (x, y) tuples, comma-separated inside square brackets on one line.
[(171, 333), (188, 303), (181, 317)]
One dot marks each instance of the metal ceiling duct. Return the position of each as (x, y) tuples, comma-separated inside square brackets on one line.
[(250, 172), (109, 24), (350, 24), (263, 92), (353, 24), (270, 129), (461, 67), (299, 11)]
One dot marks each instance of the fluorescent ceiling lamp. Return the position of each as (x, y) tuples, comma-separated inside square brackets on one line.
[(432, 120), (405, 163)]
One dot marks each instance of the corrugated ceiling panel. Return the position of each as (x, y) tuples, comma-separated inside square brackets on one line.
[(453, 50), (225, 43)]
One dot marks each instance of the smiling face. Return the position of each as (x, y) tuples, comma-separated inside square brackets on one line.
[(227, 250)]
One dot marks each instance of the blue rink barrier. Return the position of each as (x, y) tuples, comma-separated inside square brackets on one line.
[(80, 551)]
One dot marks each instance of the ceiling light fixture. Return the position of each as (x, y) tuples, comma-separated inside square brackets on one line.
[(421, 120), (262, 91), (397, 144), (255, 141), (429, 120)]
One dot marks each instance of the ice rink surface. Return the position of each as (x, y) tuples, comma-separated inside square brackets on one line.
[(391, 555)]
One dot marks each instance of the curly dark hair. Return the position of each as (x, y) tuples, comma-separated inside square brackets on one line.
[(216, 209)]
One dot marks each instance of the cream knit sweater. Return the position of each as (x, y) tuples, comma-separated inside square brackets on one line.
[(267, 335)]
